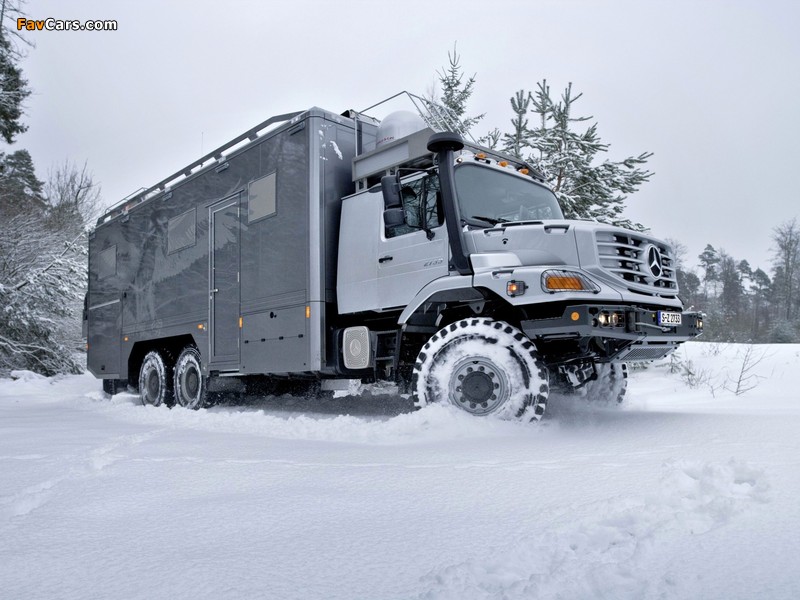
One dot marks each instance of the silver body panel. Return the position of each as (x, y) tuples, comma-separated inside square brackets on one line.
[(409, 262)]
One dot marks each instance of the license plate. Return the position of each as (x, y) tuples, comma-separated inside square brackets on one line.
[(669, 318)]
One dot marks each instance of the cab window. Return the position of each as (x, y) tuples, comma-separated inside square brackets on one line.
[(422, 205)]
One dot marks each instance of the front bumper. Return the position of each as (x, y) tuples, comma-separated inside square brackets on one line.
[(618, 332)]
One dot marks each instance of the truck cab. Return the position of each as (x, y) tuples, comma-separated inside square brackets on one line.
[(456, 243)]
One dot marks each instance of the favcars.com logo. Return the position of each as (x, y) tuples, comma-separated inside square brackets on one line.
[(65, 25)]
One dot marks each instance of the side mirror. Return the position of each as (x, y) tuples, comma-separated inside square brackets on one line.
[(390, 186), (392, 217)]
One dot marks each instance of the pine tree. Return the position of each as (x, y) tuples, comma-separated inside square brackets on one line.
[(559, 144), (732, 294), (709, 259), (515, 142), (568, 153), (456, 93), (20, 188), (13, 92), (759, 287)]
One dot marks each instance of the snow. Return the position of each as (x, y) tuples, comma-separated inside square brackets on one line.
[(680, 493)]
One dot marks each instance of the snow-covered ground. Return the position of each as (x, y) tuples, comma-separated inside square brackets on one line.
[(680, 493)]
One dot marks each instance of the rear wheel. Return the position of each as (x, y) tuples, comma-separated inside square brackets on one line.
[(113, 386), (191, 390), (155, 379), (484, 367)]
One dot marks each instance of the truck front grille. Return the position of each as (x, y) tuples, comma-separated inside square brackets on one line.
[(646, 265)]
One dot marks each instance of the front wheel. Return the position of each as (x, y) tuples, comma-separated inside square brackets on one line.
[(609, 385), (191, 390), (484, 367)]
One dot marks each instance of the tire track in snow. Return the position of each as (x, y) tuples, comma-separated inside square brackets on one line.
[(606, 556), (90, 464)]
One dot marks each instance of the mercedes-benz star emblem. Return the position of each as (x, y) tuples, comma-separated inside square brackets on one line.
[(655, 262)]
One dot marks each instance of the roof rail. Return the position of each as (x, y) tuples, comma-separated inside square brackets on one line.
[(214, 156), (436, 116)]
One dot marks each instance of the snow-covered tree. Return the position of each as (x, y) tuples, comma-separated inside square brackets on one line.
[(42, 268), (456, 92), (13, 92), (759, 289), (569, 152), (786, 249), (564, 147), (709, 259), (20, 188), (731, 297), (72, 196), (42, 276)]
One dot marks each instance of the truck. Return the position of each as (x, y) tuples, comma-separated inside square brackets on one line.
[(319, 248)]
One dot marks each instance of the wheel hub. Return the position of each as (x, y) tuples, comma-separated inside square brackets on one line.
[(478, 386), (153, 385), (192, 383)]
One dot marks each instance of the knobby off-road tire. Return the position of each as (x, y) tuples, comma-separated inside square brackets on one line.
[(484, 367), (191, 387), (610, 386), (155, 379)]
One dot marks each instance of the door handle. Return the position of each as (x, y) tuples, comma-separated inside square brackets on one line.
[(384, 259), (215, 290)]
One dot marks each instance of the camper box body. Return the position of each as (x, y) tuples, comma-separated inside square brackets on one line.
[(238, 257)]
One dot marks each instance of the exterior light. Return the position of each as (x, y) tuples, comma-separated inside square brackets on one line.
[(515, 288), (503, 163), (567, 281), (611, 319), (524, 171)]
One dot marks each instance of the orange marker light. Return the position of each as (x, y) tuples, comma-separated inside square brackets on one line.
[(240, 322), (575, 316), (308, 312), (503, 163), (561, 282)]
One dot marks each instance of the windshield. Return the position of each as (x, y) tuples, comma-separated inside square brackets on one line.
[(488, 196)]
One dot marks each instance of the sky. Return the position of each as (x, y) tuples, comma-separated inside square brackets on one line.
[(710, 87)]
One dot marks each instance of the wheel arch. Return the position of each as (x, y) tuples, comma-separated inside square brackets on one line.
[(169, 347)]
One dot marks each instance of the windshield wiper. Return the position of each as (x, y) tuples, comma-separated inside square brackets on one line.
[(490, 220)]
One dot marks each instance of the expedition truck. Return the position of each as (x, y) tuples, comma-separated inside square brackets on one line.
[(319, 248)]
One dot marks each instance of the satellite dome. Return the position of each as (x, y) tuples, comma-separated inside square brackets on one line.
[(398, 125)]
